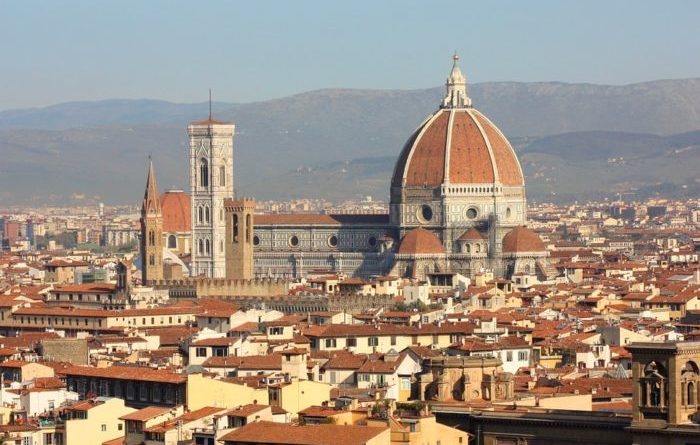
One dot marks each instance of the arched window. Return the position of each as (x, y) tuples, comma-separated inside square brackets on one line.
[(151, 238), (206, 215), (235, 228), (690, 398), (201, 246), (152, 260), (478, 248), (222, 176), (247, 228), (200, 214), (207, 245), (172, 242), (203, 173), (469, 248)]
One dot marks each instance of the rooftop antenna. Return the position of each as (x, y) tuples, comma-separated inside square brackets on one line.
[(209, 103)]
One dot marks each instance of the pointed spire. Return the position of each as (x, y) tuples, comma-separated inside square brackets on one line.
[(456, 86), (151, 199)]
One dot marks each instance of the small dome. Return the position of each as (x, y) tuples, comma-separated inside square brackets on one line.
[(420, 241), (472, 235), (175, 206), (522, 239)]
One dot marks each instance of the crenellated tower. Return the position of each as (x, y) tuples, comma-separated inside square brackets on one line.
[(239, 238), (151, 231)]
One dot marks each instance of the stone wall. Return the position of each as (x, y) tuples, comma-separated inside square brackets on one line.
[(73, 350)]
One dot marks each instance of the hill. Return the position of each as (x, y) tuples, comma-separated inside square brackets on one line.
[(284, 147)]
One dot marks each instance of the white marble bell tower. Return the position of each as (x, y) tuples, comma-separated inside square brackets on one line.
[(211, 181)]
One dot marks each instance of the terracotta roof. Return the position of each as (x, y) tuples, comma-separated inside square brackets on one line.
[(244, 410), (63, 312), (146, 413), (218, 341), (345, 360), (175, 207), (379, 366), (171, 335), (522, 239), (420, 241), (210, 121), (270, 362), (191, 416), (472, 235), (127, 373), (478, 152), (92, 288), (281, 433)]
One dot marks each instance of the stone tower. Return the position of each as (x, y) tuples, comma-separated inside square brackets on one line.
[(211, 182), (151, 231), (239, 238), (666, 388)]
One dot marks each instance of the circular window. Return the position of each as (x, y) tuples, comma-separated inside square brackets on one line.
[(372, 241), (294, 241), (471, 213), (426, 213), (256, 240), (333, 241)]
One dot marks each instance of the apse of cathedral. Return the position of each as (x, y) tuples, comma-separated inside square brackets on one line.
[(457, 205)]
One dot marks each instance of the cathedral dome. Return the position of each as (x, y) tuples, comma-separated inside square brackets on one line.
[(522, 239), (457, 145), (420, 241), (175, 207)]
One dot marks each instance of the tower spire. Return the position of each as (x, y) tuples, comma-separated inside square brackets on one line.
[(151, 200), (210, 104), (456, 86)]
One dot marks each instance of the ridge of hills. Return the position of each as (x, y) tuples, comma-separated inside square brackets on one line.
[(342, 143)]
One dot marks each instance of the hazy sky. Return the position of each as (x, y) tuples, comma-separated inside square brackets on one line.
[(57, 51)]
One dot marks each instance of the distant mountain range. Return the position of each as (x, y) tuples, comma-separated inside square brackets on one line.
[(575, 141)]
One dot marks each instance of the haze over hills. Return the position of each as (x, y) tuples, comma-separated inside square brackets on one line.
[(343, 143)]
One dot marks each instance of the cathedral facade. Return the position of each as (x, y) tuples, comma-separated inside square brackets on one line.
[(457, 204)]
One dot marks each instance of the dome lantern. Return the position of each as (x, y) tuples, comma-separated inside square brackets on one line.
[(456, 86)]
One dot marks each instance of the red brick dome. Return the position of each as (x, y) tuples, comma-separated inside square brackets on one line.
[(459, 146), (420, 241), (522, 239), (175, 206)]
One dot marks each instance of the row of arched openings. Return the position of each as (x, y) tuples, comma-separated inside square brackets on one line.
[(204, 174), (236, 229), (204, 247)]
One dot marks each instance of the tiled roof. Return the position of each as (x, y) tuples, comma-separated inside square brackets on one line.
[(271, 362), (86, 288), (280, 433), (522, 239), (478, 152), (472, 235), (127, 373), (146, 413), (244, 410), (420, 241)]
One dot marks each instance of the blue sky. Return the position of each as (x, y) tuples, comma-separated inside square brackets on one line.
[(57, 51)]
